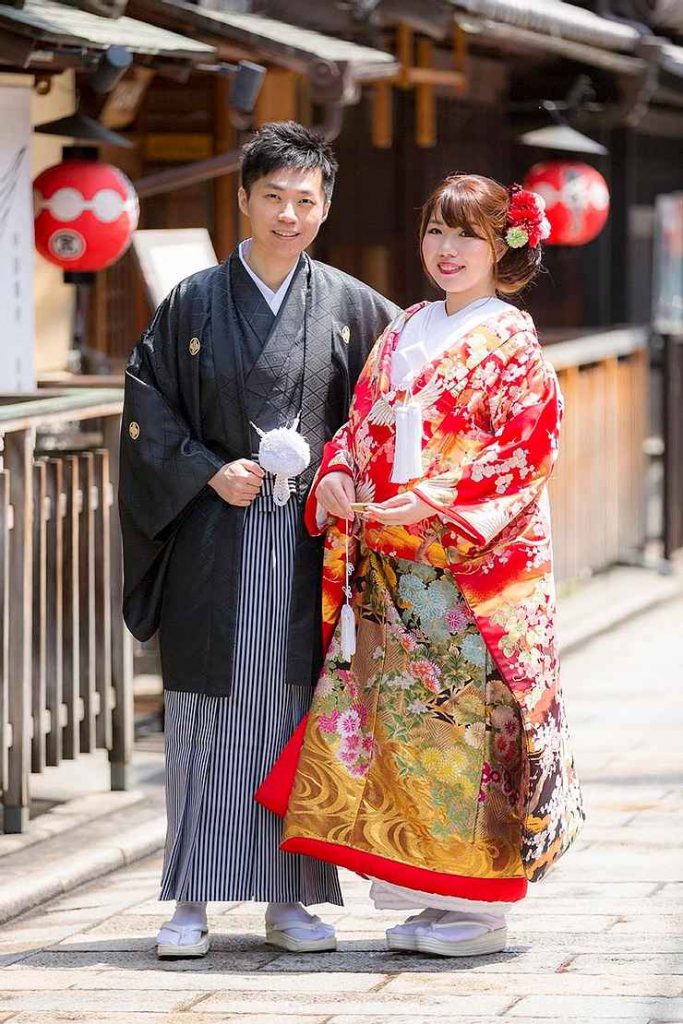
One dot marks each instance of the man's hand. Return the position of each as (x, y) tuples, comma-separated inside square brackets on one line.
[(335, 492), (238, 482), (402, 510)]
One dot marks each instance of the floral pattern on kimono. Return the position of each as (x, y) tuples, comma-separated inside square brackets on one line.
[(413, 749), (492, 411)]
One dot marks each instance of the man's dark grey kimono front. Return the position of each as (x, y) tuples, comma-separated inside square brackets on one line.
[(234, 593)]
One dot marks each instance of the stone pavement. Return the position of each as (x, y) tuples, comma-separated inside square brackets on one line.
[(600, 939)]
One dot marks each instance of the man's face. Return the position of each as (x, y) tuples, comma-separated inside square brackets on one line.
[(286, 209)]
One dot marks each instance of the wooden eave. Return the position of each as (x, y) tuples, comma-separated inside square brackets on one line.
[(48, 37), (252, 37)]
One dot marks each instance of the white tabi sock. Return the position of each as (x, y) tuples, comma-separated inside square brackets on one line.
[(284, 917), (459, 926), (191, 918), (190, 914), (416, 921)]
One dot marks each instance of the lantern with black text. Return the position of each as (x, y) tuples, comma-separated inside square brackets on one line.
[(576, 200), (85, 214)]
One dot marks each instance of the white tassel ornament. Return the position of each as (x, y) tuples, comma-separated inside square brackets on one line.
[(348, 619), (348, 632), (408, 451)]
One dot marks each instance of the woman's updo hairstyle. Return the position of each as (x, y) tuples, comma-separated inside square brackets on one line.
[(482, 206)]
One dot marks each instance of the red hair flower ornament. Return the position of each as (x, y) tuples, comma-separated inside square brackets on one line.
[(526, 222)]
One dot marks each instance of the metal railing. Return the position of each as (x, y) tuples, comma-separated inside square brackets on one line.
[(65, 655)]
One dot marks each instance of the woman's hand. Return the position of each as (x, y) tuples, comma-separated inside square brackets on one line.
[(335, 493), (403, 510)]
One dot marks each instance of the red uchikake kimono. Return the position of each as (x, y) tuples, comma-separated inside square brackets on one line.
[(438, 758)]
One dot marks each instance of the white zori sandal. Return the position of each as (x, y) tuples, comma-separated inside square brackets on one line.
[(181, 941), (297, 931), (450, 933)]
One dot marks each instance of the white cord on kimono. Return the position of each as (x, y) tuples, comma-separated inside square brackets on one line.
[(348, 620)]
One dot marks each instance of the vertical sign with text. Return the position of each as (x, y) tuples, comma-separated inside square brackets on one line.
[(16, 242)]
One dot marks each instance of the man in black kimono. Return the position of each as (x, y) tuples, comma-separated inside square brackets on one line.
[(213, 558)]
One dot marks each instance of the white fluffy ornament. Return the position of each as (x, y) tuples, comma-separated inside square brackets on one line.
[(286, 454)]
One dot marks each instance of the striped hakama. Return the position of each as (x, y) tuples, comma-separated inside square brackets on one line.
[(220, 844)]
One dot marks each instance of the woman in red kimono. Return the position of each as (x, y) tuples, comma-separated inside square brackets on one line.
[(435, 759)]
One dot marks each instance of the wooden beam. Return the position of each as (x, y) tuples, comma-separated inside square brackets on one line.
[(5, 528), (425, 100), (278, 98), (121, 750), (40, 624), (224, 187), (86, 602), (460, 50), (382, 115), (126, 98), (18, 461), (405, 38), (71, 645), (54, 608), (103, 607), (436, 76)]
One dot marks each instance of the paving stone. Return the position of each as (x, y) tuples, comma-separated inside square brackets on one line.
[(86, 1002), (603, 864), (599, 1007), (71, 1017), (605, 942), (382, 961), (222, 981), (555, 888), (88, 942), (7, 958), (660, 924), (155, 908), (104, 901), (671, 889), (565, 923), (91, 961), (551, 985), (26, 979), (419, 1019), (123, 926), (376, 1003), (113, 945), (41, 931), (352, 1018), (602, 906), (645, 964)]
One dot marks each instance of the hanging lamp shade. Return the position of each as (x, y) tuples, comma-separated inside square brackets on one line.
[(576, 200)]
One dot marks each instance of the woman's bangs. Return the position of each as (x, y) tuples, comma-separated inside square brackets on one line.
[(458, 208)]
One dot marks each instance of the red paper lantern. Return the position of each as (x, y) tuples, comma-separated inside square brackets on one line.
[(85, 214), (576, 200)]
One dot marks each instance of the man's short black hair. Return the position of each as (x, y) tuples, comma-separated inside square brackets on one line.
[(287, 144)]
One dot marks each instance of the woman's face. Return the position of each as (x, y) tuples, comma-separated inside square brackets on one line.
[(456, 258)]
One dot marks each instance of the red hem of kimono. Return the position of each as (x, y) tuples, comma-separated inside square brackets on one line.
[(275, 790), (508, 890)]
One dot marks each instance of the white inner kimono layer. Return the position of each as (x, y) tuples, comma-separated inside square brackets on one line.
[(432, 331)]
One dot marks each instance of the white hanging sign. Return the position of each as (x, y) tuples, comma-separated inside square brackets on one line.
[(17, 372)]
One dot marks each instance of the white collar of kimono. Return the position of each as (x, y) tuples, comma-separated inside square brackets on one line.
[(274, 299), (431, 331)]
